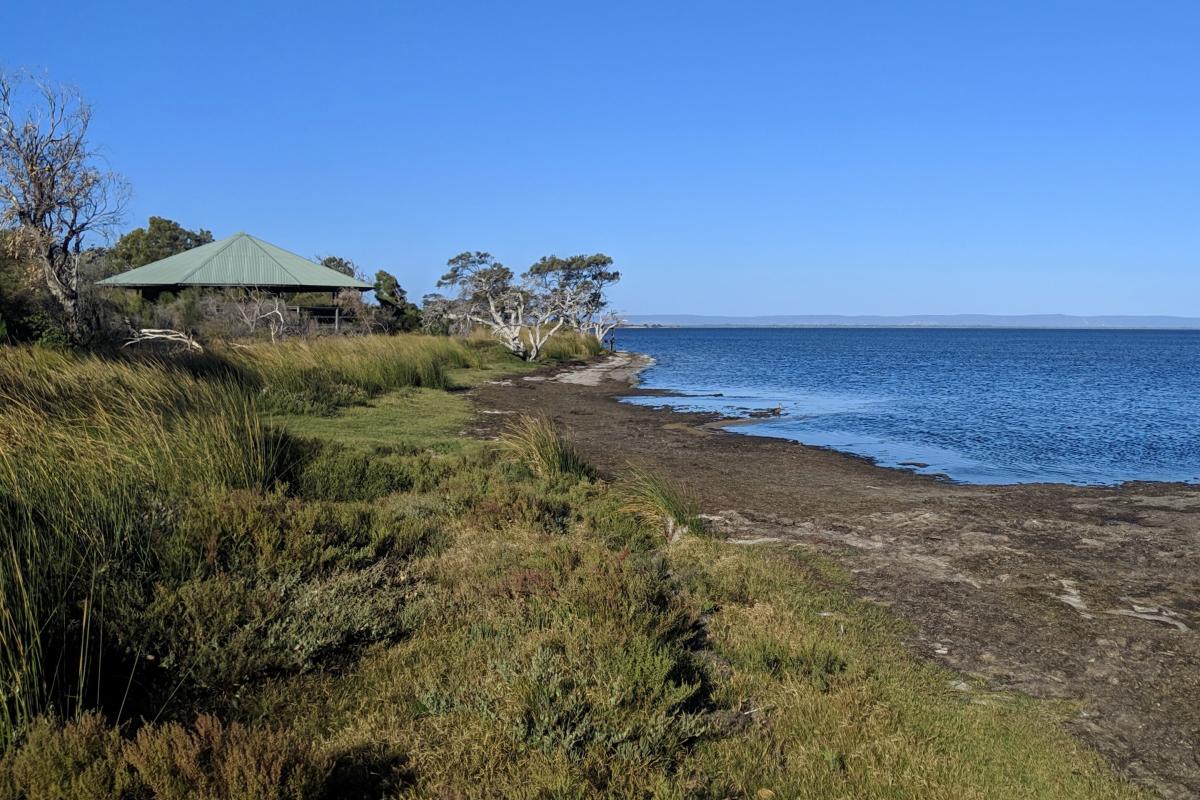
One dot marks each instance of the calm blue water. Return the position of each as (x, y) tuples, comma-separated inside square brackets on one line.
[(981, 406)]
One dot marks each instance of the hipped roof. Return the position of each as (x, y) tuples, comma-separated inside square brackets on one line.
[(241, 260)]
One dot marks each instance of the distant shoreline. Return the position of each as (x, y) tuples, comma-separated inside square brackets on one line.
[(965, 321), (900, 326)]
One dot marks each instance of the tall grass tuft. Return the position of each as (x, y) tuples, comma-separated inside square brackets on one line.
[(97, 456), (565, 345), (90, 453), (535, 442), (570, 345), (654, 497), (318, 376)]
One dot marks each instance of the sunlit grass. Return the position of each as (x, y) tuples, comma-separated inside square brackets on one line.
[(569, 345), (660, 500), (535, 442), (87, 449), (405, 419), (317, 377), (827, 687), (350, 597)]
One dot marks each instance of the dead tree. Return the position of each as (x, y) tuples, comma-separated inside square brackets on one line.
[(53, 191), (262, 309)]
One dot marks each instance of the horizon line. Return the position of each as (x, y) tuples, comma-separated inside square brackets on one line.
[(1010, 321)]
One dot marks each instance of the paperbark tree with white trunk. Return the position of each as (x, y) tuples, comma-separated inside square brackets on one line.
[(522, 315), (581, 283)]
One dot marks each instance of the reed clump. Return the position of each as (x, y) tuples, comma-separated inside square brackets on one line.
[(91, 453), (319, 376), (534, 441), (655, 497), (570, 345)]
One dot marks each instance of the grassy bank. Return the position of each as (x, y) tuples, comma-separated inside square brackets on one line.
[(284, 572)]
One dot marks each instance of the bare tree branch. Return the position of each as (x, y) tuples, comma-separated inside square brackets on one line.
[(53, 190), (262, 308)]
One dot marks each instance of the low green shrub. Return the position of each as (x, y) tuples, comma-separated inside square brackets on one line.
[(250, 583), (82, 760), (89, 760), (339, 472), (315, 399), (539, 663), (604, 513), (226, 762)]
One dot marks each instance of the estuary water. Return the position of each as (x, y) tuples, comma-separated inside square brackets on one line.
[(976, 405)]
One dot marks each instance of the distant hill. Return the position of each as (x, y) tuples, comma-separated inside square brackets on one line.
[(915, 321)]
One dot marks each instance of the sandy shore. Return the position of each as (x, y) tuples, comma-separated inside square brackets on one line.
[(1084, 594)]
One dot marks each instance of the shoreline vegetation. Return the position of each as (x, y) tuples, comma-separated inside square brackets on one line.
[(287, 571)]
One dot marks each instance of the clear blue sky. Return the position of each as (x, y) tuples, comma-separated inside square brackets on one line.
[(735, 158)]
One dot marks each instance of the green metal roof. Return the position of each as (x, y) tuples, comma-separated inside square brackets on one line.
[(240, 260)]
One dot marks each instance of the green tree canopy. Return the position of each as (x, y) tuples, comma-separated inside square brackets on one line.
[(342, 265), (580, 283), (396, 311), (160, 238)]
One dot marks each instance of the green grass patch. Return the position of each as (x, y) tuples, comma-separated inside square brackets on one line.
[(410, 419), (498, 368), (823, 684)]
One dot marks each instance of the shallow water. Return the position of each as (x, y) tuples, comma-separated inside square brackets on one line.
[(980, 406)]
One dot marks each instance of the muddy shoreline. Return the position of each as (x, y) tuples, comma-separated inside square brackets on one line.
[(1084, 594)]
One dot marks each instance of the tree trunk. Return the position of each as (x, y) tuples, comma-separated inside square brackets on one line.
[(66, 294), (538, 337)]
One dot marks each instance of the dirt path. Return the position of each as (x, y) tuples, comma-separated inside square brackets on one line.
[(1086, 594)]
